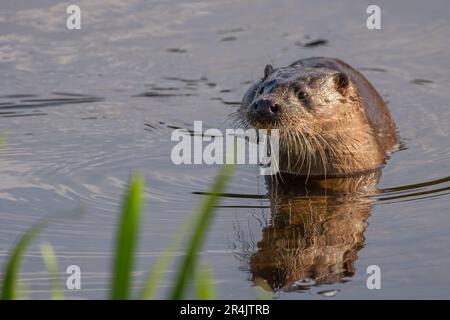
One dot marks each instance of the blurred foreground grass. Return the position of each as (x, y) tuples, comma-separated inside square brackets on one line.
[(189, 272)]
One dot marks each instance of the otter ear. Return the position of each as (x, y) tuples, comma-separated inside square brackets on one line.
[(267, 70), (341, 82)]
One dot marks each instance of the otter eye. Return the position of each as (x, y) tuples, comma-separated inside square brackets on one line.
[(261, 90), (301, 95)]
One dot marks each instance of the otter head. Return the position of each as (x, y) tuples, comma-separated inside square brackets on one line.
[(297, 98), (321, 120)]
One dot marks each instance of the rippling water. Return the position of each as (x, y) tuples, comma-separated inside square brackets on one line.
[(81, 110)]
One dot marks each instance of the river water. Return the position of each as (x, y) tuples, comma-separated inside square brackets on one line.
[(80, 110)]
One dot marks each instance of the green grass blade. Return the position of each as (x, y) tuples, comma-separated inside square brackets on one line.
[(262, 289), (24, 291), (263, 294), (163, 260), (126, 239), (206, 289), (161, 264), (49, 257), (203, 219), (9, 287)]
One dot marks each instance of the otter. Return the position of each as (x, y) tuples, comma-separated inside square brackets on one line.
[(331, 120)]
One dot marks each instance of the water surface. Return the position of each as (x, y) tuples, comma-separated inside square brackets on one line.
[(82, 109)]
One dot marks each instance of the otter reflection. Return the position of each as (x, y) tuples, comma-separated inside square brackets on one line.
[(315, 232)]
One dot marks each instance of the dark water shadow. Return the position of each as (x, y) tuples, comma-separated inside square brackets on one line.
[(17, 115), (421, 82), (416, 191), (374, 69), (177, 87), (18, 96), (155, 94), (225, 102), (312, 43), (32, 102), (176, 50)]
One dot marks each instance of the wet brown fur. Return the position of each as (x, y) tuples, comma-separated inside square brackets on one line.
[(341, 127)]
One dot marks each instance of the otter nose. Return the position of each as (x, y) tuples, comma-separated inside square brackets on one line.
[(267, 106)]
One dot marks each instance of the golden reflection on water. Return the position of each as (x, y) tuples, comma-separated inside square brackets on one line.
[(315, 232)]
